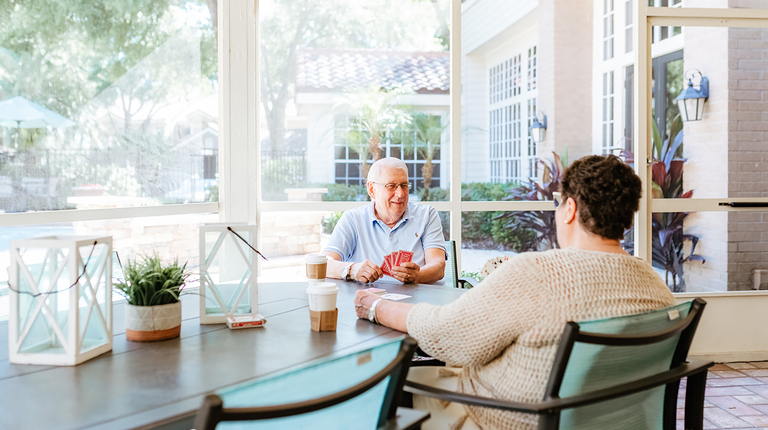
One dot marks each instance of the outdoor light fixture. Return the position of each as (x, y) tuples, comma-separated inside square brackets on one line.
[(537, 129), (691, 100)]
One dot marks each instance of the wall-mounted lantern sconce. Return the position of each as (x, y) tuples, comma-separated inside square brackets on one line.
[(537, 129), (691, 100)]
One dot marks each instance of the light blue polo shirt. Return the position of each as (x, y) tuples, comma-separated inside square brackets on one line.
[(359, 235)]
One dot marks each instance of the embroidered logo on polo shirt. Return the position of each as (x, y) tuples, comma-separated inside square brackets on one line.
[(417, 234)]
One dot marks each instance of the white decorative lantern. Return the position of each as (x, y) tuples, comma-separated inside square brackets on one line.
[(61, 299), (228, 270)]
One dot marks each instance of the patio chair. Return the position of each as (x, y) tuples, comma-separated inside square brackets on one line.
[(617, 373), (451, 277), (356, 391)]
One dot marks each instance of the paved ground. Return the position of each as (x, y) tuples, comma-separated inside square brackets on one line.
[(736, 397)]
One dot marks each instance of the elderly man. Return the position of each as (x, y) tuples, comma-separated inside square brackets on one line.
[(364, 236)]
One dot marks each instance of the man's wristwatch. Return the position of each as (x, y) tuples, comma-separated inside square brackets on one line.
[(372, 311), (346, 272)]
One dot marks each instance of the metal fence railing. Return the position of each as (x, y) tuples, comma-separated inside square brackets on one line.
[(43, 179)]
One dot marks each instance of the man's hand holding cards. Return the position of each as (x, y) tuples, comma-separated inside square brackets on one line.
[(399, 266)]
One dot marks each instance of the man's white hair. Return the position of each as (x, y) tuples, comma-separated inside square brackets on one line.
[(385, 163)]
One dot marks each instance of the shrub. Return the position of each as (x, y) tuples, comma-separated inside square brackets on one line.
[(330, 221), (345, 193)]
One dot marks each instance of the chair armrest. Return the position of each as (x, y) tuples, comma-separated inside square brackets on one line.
[(468, 399), (465, 282), (548, 406), (406, 419)]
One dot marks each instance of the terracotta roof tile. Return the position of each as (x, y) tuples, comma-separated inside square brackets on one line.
[(319, 70)]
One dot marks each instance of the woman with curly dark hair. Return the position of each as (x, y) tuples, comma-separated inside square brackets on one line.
[(503, 334)]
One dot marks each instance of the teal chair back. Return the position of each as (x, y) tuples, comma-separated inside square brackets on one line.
[(451, 277), (357, 391), (604, 353)]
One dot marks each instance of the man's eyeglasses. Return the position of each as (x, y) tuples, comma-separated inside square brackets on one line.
[(392, 186), (558, 198)]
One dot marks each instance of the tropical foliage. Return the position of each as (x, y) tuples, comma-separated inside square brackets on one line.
[(488, 230), (429, 132), (149, 283), (668, 237), (371, 114), (542, 223)]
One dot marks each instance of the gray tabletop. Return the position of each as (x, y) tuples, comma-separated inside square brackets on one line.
[(161, 384)]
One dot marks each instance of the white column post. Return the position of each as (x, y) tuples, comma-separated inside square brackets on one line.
[(455, 86), (642, 144), (238, 79)]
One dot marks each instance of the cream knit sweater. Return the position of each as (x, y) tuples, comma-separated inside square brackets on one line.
[(505, 332)]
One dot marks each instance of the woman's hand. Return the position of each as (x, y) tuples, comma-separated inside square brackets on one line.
[(363, 302)]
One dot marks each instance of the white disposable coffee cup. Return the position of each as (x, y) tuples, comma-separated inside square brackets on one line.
[(322, 296), (316, 267)]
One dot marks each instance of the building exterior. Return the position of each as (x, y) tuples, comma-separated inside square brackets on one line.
[(540, 57), (328, 80)]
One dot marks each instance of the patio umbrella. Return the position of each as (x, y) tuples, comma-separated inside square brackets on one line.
[(19, 112)]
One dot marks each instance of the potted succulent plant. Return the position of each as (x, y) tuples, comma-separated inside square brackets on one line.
[(152, 290)]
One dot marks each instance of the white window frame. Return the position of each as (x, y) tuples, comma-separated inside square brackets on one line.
[(734, 324), (608, 111), (239, 158), (609, 29), (505, 121)]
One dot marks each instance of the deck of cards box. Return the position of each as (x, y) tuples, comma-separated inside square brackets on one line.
[(394, 260), (246, 321)]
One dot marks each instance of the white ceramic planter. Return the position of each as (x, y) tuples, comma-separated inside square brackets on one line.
[(148, 323)]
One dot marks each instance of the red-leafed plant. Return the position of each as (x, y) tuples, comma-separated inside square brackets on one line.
[(541, 222), (668, 238)]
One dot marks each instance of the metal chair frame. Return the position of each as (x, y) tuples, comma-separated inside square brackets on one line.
[(549, 409), (213, 412)]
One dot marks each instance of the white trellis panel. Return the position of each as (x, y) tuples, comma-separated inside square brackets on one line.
[(228, 271), (61, 299)]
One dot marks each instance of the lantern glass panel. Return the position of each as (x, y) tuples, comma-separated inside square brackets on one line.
[(94, 289), (229, 274), (43, 271), (691, 106), (699, 109)]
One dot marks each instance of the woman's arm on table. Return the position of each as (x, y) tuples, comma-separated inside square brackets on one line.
[(388, 313), (475, 328)]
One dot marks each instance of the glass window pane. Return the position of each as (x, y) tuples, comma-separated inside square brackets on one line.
[(497, 148), (170, 237), (721, 155), (487, 235), (357, 77), (123, 101), (287, 236), (729, 252)]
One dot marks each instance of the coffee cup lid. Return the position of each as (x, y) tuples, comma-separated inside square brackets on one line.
[(322, 288), (315, 258)]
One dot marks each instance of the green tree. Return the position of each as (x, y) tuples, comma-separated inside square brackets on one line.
[(290, 25), (82, 58)]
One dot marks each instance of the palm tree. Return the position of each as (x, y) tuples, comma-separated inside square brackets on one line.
[(429, 131), (372, 114)]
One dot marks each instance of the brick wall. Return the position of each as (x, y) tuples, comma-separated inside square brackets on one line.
[(747, 163), (290, 233), (171, 237), (565, 76)]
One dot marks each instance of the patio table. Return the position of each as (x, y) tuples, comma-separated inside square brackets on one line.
[(161, 384)]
